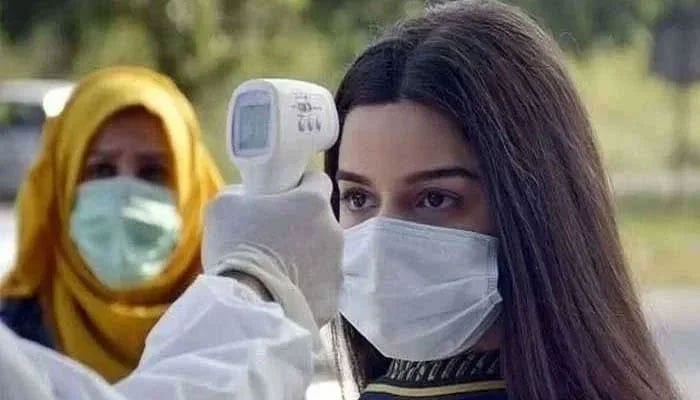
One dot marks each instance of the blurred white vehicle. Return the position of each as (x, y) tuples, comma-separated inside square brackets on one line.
[(24, 105), (7, 238)]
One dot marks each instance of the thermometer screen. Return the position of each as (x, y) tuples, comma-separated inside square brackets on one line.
[(253, 126)]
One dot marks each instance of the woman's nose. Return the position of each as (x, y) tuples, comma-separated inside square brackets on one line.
[(392, 209), (127, 167)]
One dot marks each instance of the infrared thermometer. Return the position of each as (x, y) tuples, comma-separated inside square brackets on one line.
[(275, 127)]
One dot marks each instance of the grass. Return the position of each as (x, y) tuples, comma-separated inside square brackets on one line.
[(632, 111), (662, 240)]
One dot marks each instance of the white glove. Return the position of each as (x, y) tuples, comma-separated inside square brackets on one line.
[(290, 242)]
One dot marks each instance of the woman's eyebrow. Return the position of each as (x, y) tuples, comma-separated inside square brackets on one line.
[(152, 154), (440, 173), (103, 154), (352, 177)]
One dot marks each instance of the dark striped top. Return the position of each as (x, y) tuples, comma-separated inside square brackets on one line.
[(471, 376)]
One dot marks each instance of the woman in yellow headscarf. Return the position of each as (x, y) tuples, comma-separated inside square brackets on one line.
[(110, 219)]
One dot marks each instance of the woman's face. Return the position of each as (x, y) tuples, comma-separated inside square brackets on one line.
[(131, 143), (406, 161)]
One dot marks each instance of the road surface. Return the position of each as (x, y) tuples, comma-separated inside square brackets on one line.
[(674, 315)]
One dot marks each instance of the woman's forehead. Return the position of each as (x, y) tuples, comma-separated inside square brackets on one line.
[(132, 130), (398, 139)]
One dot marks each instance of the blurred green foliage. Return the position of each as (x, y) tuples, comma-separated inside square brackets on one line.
[(197, 41), (201, 42), (661, 240), (208, 46)]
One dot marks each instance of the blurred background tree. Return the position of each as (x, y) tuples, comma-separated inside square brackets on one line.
[(198, 42), (207, 45)]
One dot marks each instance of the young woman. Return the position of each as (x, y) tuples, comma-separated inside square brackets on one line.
[(110, 220), (482, 258)]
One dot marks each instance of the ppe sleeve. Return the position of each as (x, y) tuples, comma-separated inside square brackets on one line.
[(218, 341)]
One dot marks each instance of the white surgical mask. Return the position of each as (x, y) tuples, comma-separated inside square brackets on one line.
[(419, 292)]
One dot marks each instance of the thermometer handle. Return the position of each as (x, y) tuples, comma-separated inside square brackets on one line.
[(272, 179)]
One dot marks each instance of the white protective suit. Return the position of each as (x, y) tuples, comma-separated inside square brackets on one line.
[(218, 341)]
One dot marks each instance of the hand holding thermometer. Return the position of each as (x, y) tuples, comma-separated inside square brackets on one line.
[(274, 128)]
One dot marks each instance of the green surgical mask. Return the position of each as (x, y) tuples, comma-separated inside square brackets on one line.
[(125, 229)]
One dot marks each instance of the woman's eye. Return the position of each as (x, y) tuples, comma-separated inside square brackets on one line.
[(437, 200), (154, 173), (102, 170), (356, 200)]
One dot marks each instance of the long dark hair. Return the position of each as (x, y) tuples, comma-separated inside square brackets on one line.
[(572, 323)]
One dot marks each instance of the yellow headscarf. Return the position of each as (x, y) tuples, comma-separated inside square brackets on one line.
[(105, 329)]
